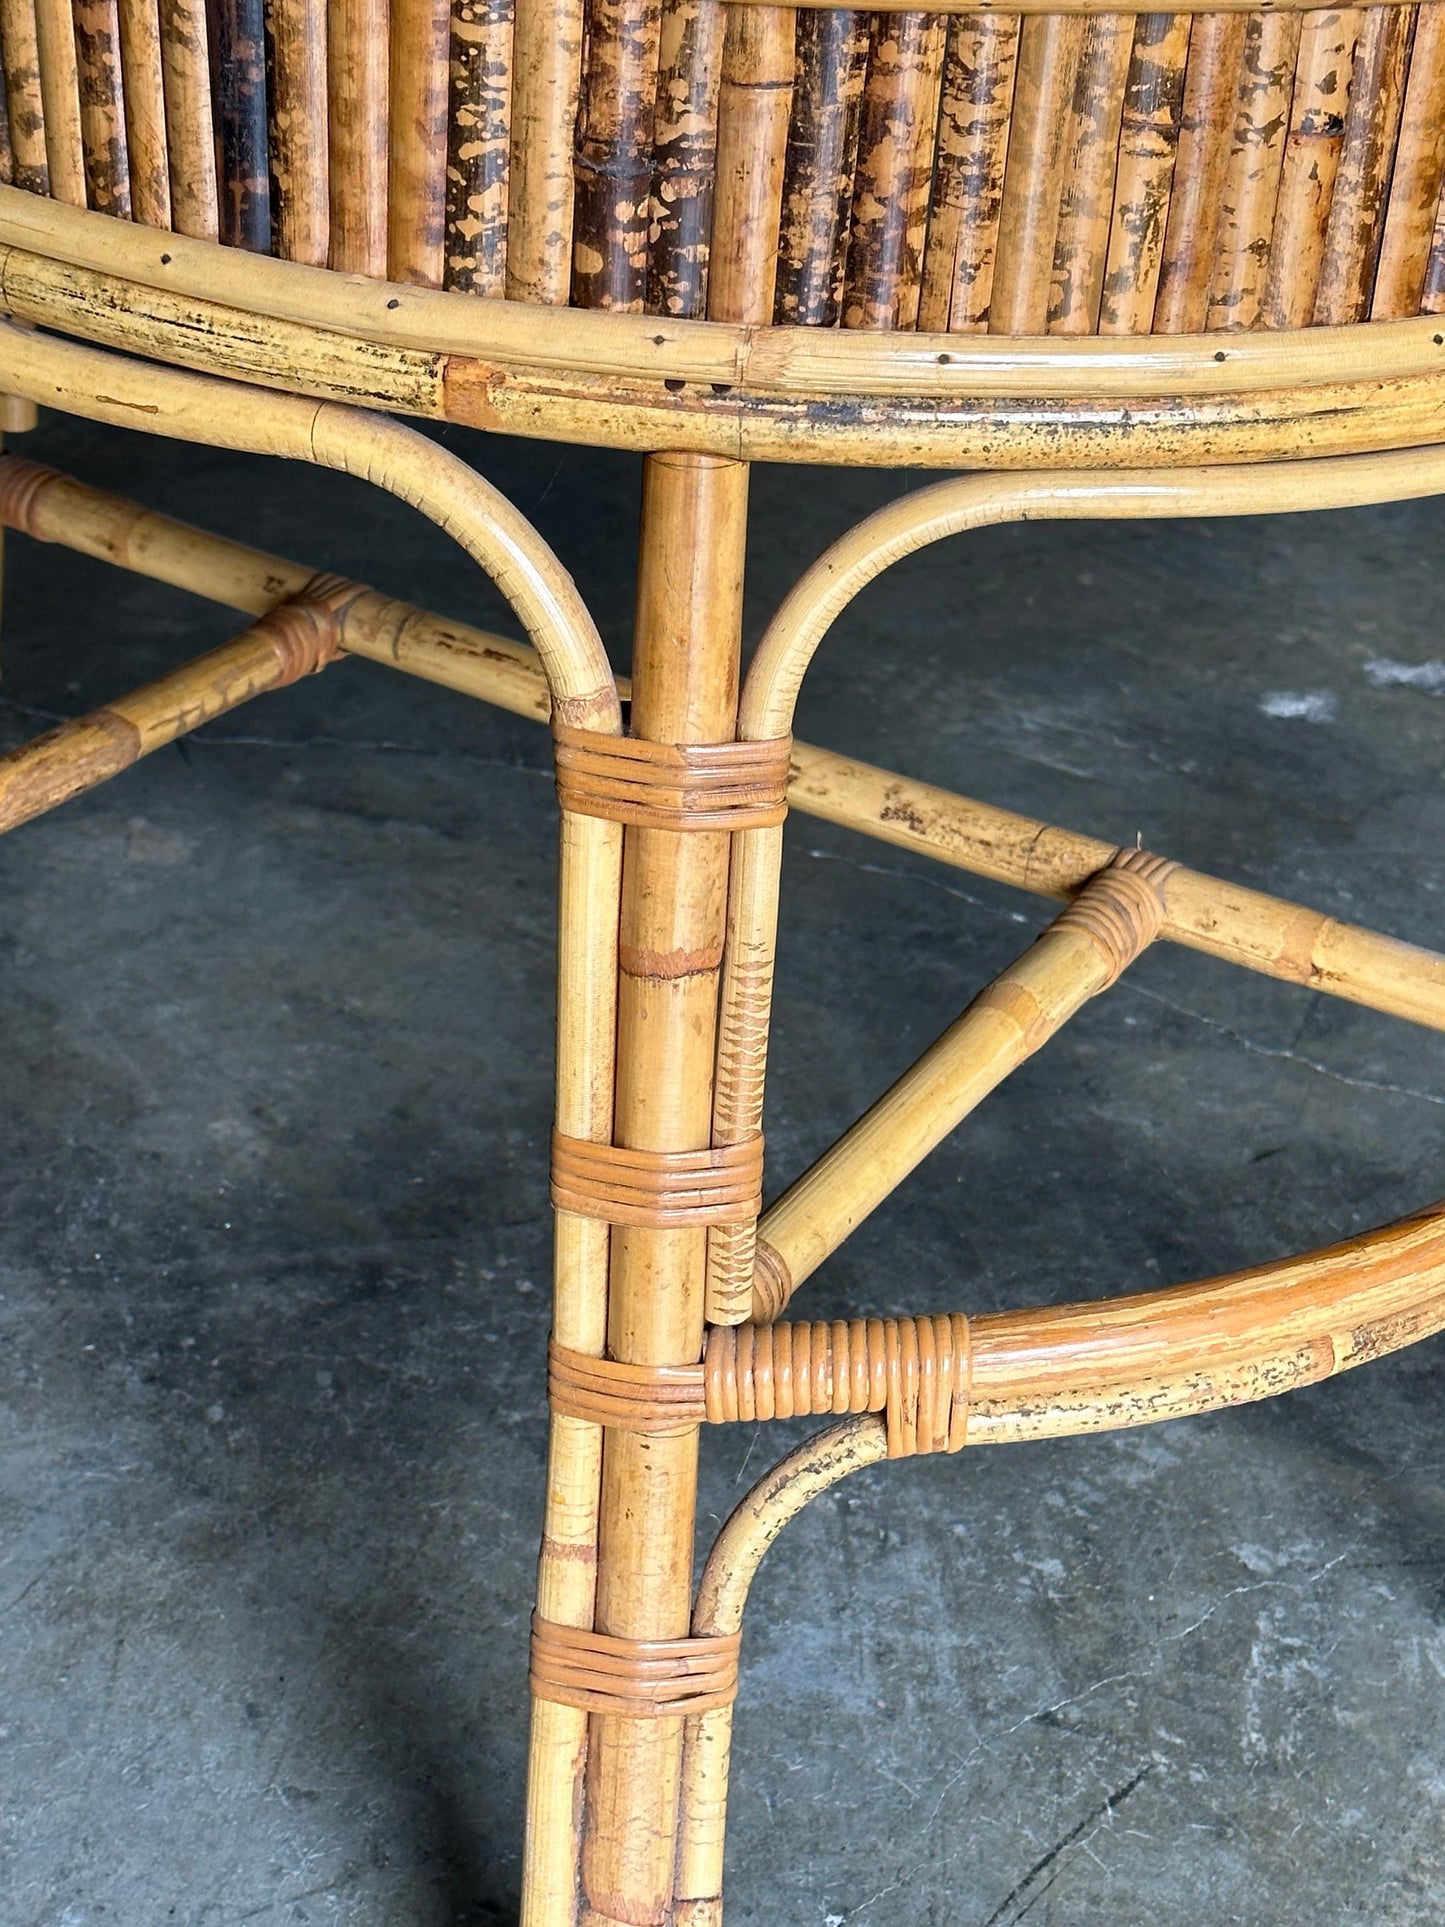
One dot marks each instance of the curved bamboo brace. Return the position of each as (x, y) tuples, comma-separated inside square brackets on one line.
[(225, 414), (764, 360), (736, 1554)]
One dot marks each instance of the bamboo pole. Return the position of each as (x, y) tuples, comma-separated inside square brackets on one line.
[(23, 97), (7, 157), (1206, 140), (1048, 64), (975, 112), (1418, 178), (1144, 183), (418, 98), (546, 90), (897, 136), (190, 132), (1251, 184), (684, 150), (754, 107), (60, 90), (102, 107), (238, 94), (1432, 295), (822, 155), (300, 210), (1311, 161), (145, 112), (356, 93), (1372, 125), (613, 162), (1081, 245), (479, 145)]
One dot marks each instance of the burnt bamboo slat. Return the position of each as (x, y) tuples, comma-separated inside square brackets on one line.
[(1311, 161), (684, 151), (1087, 198), (822, 154), (417, 110), (613, 164), (1372, 124), (25, 112), (102, 107), (145, 112), (754, 106), (1252, 180), (1206, 139), (975, 110), (897, 130), (1432, 295), (1048, 65), (356, 107), (479, 141), (1144, 180), (296, 100), (7, 158), (1418, 177), (190, 129), (238, 91), (546, 86)]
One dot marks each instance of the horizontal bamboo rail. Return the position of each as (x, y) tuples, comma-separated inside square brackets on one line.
[(1225, 920), (761, 360)]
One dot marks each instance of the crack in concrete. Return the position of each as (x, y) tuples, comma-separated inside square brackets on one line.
[(1090, 1822)]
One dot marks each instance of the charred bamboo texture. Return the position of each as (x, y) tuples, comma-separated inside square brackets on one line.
[(1432, 296), (1251, 184), (831, 63), (546, 88), (1087, 202), (1116, 915), (300, 191), (670, 951), (190, 129), (1039, 143), (1144, 182), (60, 91), (684, 156), (102, 107), (145, 112), (975, 109), (356, 96), (238, 91), (1418, 178), (613, 164), (754, 108), (1372, 125), (479, 134), (897, 133), (7, 158), (1311, 161), (25, 112), (1206, 140), (418, 97), (296, 639)]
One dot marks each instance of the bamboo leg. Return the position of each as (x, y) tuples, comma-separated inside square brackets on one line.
[(684, 690)]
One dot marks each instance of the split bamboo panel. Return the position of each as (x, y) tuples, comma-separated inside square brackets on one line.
[(300, 210), (1144, 182), (1252, 180), (1372, 124), (1419, 176), (25, 116), (1050, 48), (356, 92), (238, 93), (1087, 194), (897, 133), (479, 138), (190, 132), (1311, 162), (684, 155), (975, 111), (417, 116), (145, 112), (60, 91), (822, 155), (102, 107), (1206, 142)]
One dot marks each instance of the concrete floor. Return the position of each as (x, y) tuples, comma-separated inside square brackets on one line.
[(275, 1011)]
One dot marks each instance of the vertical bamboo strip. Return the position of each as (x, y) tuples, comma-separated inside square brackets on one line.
[(1251, 187), (190, 140), (1432, 295), (684, 155), (1206, 136), (1311, 159), (754, 106), (831, 63), (613, 165), (975, 107), (25, 111), (238, 95), (1148, 146), (1419, 175), (1048, 63), (479, 141), (60, 90), (1352, 241), (897, 135), (1086, 205), (417, 101), (7, 157), (356, 95), (145, 112), (684, 689), (547, 77), (300, 211), (102, 107)]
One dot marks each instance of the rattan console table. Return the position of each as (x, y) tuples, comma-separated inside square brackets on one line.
[(1110, 263)]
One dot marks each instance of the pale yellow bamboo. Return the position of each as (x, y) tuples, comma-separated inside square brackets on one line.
[(357, 73), (145, 112), (17, 416), (24, 100), (190, 129), (547, 44), (417, 176), (60, 88)]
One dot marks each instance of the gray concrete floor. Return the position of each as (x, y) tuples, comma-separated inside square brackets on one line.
[(275, 1014)]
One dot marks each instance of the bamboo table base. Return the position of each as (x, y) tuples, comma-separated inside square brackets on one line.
[(670, 1280)]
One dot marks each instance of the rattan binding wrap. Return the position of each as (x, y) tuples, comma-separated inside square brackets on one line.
[(1121, 908), (670, 1189), (638, 1398), (673, 786), (642, 1679)]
